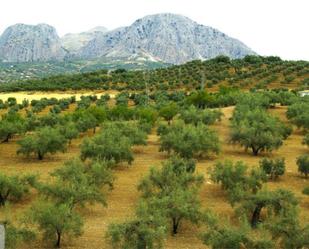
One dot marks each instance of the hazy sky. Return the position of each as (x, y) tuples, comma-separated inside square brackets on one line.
[(269, 27)]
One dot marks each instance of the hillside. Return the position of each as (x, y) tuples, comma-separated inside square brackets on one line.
[(19, 72), (250, 72)]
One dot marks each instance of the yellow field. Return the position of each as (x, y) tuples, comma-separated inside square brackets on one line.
[(123, 198), (20, 96)]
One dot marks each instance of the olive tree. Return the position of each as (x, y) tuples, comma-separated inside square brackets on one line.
[(174, 191), (69, 131), (84, 120), (130, 129), (15, 187), (303, 165), (236, 179), (14, 236), (289, 231), (189, 140), (76, 183), (276, 202), (299, 115), (259, 131), (169, 111), (45, 140), (11, 124), (273, 168), (146, 230), (193, 115), (107, 145), (55, 221), (221, 234)]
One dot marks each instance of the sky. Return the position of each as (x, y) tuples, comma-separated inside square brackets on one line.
[(269, 27)]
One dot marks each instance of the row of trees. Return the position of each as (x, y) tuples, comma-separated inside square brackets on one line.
[(76, 184)]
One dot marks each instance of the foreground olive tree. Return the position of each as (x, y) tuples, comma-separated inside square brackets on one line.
[(15, 187), (55, 221), (146, 230), (78, 184), (174, 191), (275, 202)]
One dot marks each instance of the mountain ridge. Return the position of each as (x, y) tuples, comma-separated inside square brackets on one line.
[(163, 37)]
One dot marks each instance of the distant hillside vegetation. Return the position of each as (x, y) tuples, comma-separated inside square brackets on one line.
[(250, 72)]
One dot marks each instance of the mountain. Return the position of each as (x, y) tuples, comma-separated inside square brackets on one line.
[(164, 38), (74, 42), (167, 37), (29, 43)]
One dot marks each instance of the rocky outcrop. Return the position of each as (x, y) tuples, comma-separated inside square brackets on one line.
[(29, 43)]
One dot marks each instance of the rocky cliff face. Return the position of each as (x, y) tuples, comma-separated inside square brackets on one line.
[(74, 42), (29, 43), (167, 37)]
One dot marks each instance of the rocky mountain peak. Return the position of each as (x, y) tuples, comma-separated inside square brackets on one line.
[(28, 43), (171, 38)]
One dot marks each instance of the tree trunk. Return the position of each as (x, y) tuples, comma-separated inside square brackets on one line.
[(141, 243), (7, 138), (256, 215), (58, 239), (94, 129), (2, 200), (255, 151), (175, 225), (40, 156)]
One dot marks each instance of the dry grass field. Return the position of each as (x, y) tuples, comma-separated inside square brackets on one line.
[(20, 96), (123, 198)]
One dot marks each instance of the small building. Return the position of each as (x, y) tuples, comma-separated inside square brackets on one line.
[(303, 93)]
